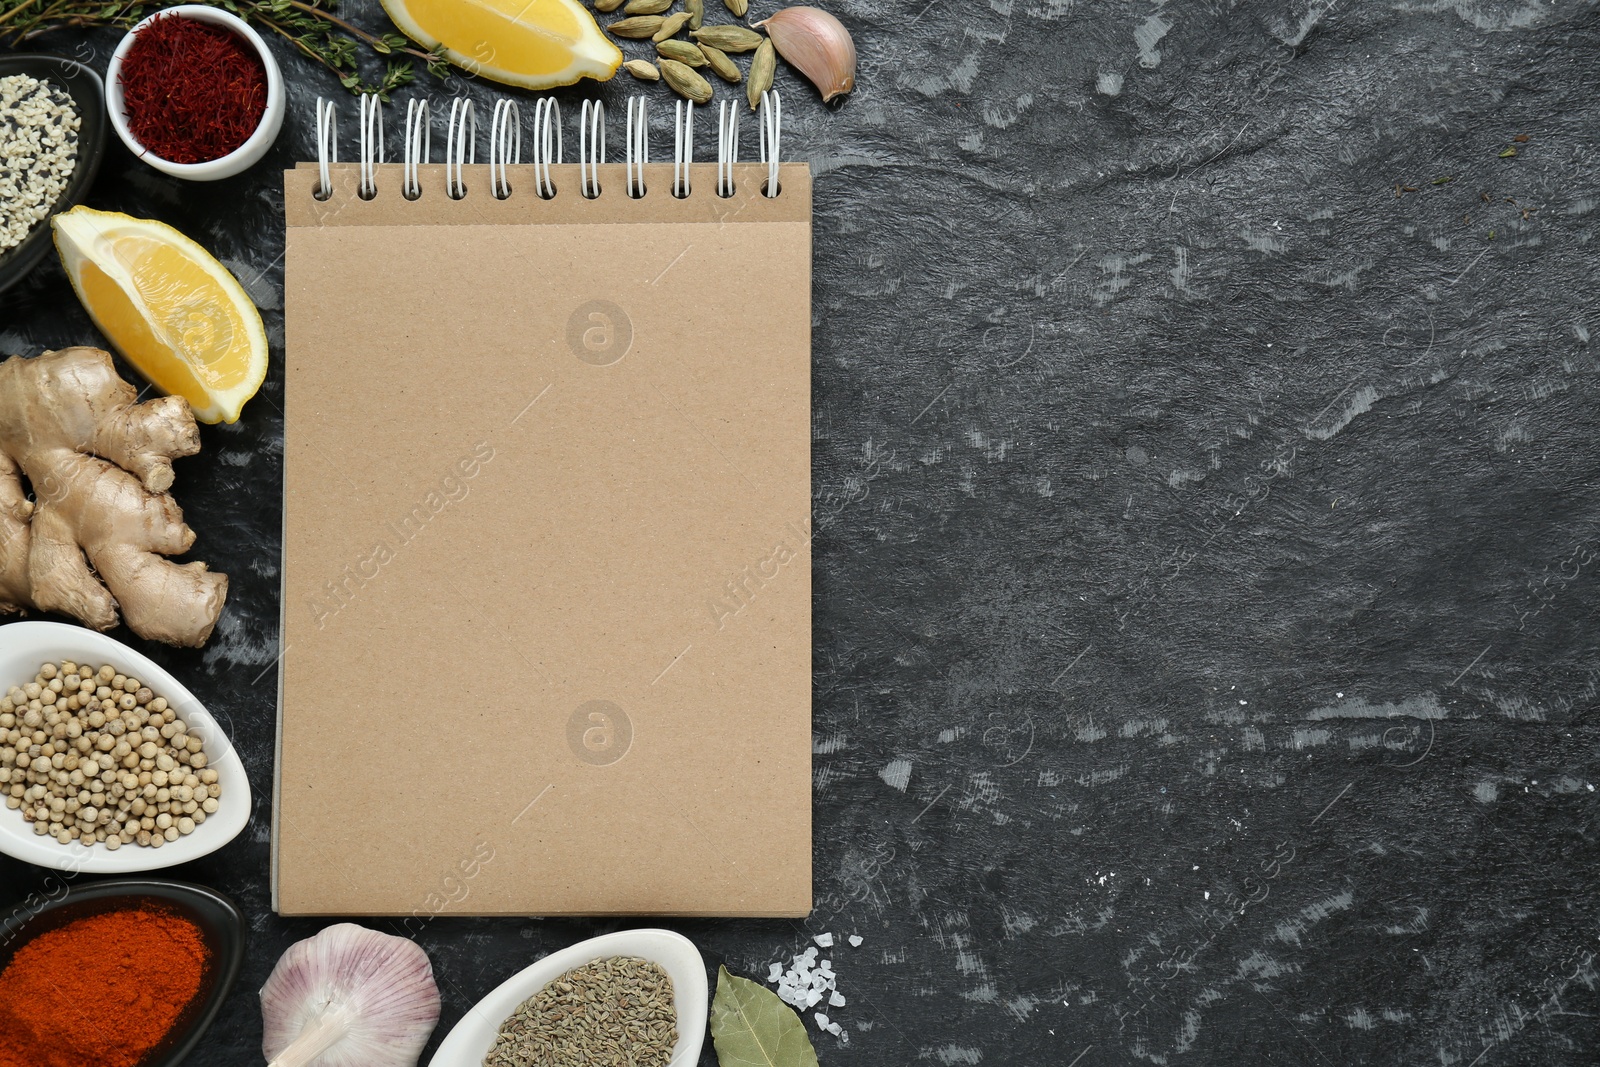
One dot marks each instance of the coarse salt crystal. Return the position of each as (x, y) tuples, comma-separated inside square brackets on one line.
[(822, 1021), (775, 972), (825, 940), (855, 940), (837, 1000)]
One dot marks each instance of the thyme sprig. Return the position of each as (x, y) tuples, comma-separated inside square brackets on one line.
[(310, 25)]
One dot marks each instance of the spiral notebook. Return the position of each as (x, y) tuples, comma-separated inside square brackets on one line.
[(546, 582)]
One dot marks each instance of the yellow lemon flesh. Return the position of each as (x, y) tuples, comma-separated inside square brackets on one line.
[(537, 44), (168, 306)]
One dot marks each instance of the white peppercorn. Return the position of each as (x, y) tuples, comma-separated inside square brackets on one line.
[(118, 768)]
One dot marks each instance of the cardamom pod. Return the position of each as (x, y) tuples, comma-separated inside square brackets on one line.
[(729, 38), (762, 68), (646, 7), (639, 26), (642, 69), (697, 12), (683, 52), (607, 6), (738, 7), (685, 82), (671, 27), (719, 62)]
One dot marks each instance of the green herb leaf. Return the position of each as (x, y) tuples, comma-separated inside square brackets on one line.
[(753, 1028), (1508, 153), (1446, 180)]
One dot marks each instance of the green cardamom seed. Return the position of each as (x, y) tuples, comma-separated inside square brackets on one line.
[(683, 80), (683, 52), (607, 6), (642, 69), (697, 12), (639, 26), (738, 7), (762, 67), (671, 27), (718, 60), (646, 7), (729, 38)]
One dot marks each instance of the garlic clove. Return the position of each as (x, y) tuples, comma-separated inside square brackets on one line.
[(818, 46), (349, 997)]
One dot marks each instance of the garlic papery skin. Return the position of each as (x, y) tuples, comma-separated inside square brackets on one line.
[(818, 46), (349, 997)]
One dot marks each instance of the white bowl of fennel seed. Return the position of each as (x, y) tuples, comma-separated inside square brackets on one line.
[(475, 1036)]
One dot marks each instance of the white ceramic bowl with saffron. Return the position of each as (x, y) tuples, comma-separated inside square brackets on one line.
[(240, 159), (24, 647), (472, 1038)]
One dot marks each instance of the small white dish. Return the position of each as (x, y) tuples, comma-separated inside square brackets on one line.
[(26, 645), (472, 1038), (240, 159)]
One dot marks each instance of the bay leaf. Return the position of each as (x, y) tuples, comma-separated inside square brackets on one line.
[(753, 1028)]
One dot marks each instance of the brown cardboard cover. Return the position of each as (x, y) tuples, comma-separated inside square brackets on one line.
[(547, 581)]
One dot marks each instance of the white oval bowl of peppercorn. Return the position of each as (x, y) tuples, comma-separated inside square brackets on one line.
[(24, 648), (248, 153), (474, 1036)]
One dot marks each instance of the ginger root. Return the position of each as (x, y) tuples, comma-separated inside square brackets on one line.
[(100, 464)]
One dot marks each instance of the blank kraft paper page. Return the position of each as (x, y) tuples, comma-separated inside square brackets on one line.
[(546, 587)]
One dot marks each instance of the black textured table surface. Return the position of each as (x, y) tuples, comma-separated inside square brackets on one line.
[(1207, 527)]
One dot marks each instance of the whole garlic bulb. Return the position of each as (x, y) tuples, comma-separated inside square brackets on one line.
[(818, 45), (349, 997)]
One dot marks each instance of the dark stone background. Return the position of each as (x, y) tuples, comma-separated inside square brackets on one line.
[(1207, 519)]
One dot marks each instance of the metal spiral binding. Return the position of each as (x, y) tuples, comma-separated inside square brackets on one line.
[(327, 147), (682, 147), (370, 139), (591, 147), (418, 146), (771, 135), (505, 145), (371, 143), (638, 146), (460, 145), (727, 146), (546, 145)]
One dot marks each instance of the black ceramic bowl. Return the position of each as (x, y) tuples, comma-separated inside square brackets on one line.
[(89, 97), (216, 916)]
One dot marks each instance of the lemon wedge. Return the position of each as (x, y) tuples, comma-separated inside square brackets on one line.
[(537, 44), (168, 306)]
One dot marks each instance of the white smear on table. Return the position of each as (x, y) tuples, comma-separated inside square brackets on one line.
[(1289, 931), (896, 774), (1425, 706), (953, 1054), (1109, 83), (1486, 15), (1309, 738), (1146, 36), (1361, 402)]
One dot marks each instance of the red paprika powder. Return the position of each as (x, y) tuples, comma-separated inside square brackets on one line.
[(101, 991)]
